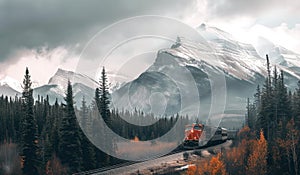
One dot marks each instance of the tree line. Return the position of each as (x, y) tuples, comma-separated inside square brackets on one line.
[(49, 139), (276, 110), (269, 143)]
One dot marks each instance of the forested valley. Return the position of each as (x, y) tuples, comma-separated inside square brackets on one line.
[(41, 138)]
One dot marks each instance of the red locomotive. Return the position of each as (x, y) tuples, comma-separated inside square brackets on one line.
[(192, 134), (197, 135)]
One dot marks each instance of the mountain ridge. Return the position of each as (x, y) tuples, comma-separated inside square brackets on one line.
[(240, 64)]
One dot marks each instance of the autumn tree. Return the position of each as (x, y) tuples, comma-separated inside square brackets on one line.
[(214, 167), (192, 169), (289, 147), (257, 161)]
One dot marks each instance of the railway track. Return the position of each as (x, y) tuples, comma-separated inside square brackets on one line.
[(99, 170), (123, 167)]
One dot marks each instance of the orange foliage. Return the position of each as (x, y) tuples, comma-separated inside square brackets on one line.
[(136, 139), (217, 166), (248, 157), (214, 167), (257, 161), (244, 131), (191, 170), (236, 157)]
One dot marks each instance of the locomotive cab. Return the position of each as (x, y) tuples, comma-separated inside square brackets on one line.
[(198, 135), (192, 134)]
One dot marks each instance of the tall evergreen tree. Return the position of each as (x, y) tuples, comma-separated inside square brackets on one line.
[(70, 151), (103, 100), (88, 152), (56, 110), (29, 130), (257, 98), (284, 104), (84, 115), (266, 111), (296, 106), (47, 131)]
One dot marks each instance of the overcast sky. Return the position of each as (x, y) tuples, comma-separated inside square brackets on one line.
[(52, 33)]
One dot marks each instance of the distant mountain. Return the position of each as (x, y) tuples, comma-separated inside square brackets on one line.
[(56, 87), (278, 54), (61, 78), (168, 80), (12, 83), (83, 86), (6, 90)]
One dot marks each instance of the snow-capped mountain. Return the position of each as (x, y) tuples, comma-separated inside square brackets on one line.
[(57, 85), (169, 80), (278, 54), (12, 83), (10, 87), (83, 86), (8, 91), (61, 78), (180, 79)]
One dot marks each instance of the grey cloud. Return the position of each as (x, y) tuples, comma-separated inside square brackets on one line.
[(256, 8), (34, 23)]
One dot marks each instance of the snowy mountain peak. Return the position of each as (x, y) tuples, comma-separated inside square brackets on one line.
[(61, 78), (278, 55), (234, 58), (14, 84), (83, 86), (212, 33)]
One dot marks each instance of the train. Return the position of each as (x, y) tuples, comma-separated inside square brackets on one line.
[(200, 135)]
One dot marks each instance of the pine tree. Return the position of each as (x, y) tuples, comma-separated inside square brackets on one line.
[(84, 113), (257, 97), (47, 131), (29, 130), (55, 128), (266, 113), (284, 105), (296, 106), (70, 151), (103, 101), (88, 153)]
